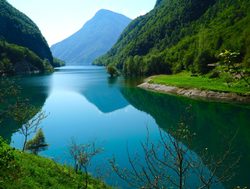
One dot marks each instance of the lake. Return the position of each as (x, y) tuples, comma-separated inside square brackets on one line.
[(83, 103)]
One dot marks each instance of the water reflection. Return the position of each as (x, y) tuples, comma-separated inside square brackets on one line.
[(214, 123), (35, 90), (91, 82)]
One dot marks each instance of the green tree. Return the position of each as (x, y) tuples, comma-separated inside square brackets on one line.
[(112, 70), (5, 65), (37, 144), (230, 60), (22, 116), (202, 61), (82, 155)]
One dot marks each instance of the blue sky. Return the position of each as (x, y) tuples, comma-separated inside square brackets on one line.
[(58, 19)]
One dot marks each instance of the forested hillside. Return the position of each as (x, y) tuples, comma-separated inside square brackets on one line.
[(15, 59), (94, 39), (17, 28), (182, 35), (20, 34)]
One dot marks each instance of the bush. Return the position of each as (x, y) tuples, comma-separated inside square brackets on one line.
[(112, 70), (58, 63), (37, 144), (8, 165), (188, 60), (202, 61), (156, 64), (6, 66), (214, 74)]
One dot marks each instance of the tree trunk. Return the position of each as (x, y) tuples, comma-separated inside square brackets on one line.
[(24, 143), (181, 172)]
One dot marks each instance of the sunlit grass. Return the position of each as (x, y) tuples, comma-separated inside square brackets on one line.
[(38, 172), (186, 80)]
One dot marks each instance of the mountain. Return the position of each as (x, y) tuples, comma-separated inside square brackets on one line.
[(17, 28), (95, 38), (23, 48), (182, 35)]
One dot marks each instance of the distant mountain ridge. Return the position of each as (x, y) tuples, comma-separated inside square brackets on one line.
[(95, 38)]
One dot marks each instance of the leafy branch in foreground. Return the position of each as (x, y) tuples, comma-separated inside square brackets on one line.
[(169, 163), (82, 155), (229, 59), (29, 126)]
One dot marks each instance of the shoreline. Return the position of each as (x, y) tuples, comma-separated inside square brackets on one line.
[(194, 93)]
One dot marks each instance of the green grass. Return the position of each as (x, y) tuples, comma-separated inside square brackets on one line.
[(185, 80), (41, 173)]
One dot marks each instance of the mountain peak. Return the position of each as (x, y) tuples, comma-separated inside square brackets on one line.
[(94, 39), (103, 11), (106, 13)]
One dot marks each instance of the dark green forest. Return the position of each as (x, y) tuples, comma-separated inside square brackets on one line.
[(23, 49), (182, 35), (15, 59), (17, 28)]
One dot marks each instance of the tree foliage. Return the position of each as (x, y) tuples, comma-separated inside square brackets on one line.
[(29, 118), (58, 63), (82, 155), (230, 60), (15, 59), (9, 169), (112, 70), (37, 144)]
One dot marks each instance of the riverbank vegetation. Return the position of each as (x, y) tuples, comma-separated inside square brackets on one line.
[(23, 170), (16, 59), (58, 63), (227, 76), (203, 82)]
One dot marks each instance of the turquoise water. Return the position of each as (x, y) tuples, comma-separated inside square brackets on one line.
[(85, 104)]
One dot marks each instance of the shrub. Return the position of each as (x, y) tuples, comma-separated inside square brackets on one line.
[(202, 61), (8, 166), (112, 70)]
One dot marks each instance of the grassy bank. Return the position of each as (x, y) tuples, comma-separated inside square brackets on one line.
[(186, 80), (22, 170)]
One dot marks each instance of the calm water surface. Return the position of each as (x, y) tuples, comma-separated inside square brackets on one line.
[(84, 103)]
